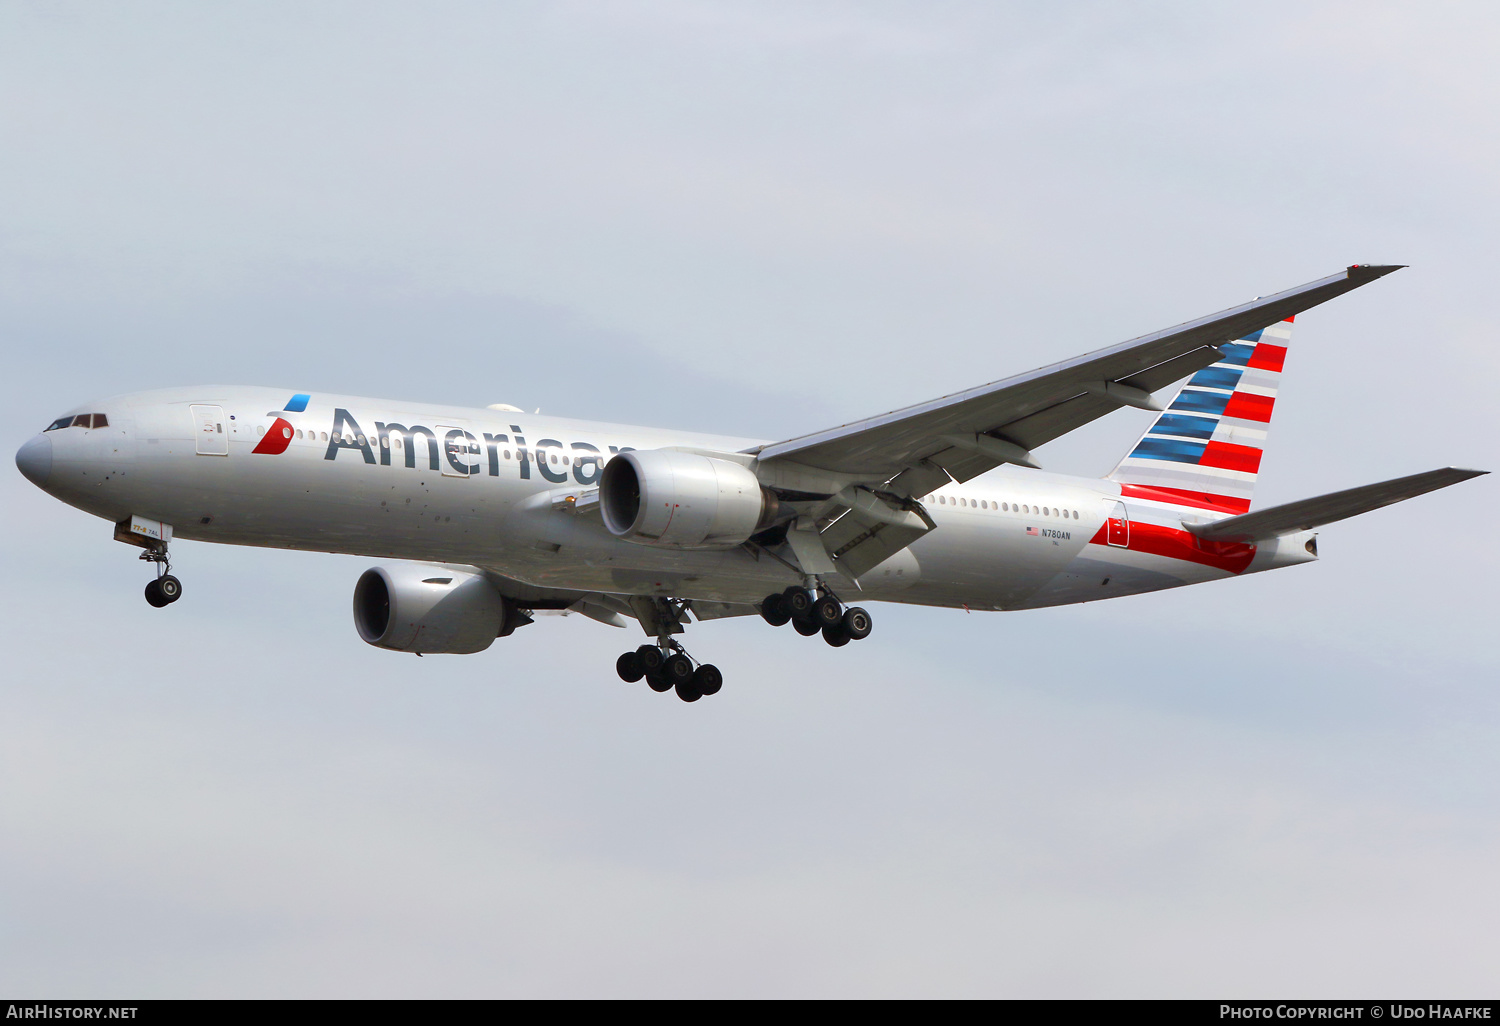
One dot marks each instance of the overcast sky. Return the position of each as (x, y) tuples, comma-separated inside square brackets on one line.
[(760, 219)]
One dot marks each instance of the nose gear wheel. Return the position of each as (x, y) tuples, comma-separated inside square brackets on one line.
[(166, 589)]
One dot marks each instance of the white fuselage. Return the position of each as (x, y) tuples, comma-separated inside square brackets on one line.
[(446, 484)]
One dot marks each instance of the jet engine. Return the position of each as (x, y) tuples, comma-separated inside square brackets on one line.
[(682, 500), (420, 607)]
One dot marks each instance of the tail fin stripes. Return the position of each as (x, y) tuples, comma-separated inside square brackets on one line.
[(1205, 449)]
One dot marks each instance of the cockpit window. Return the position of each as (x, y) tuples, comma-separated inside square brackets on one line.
[(83, 420)]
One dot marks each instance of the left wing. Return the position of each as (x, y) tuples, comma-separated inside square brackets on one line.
[(909, 452)]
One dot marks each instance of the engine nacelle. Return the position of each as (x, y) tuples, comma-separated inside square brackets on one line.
[(419, 607), (682, 500)]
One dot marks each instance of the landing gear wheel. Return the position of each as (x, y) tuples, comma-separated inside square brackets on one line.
[(154, 595), (827, 612), (687, 692), (678, 670), (629, 667), (857, 623), (836, 635), (651, 658), (775, 610), (656, 682), (799, 603), (707, 679), (170, 587), (806, 628)]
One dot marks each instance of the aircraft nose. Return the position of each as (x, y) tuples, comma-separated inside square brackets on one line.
[(34, 460)]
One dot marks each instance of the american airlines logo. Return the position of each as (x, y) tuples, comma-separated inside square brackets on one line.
[(464, 452), (279, 435)]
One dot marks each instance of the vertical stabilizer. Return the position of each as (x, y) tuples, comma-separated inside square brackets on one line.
[(1205, 449)]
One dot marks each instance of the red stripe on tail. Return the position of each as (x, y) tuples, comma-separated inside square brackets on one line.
[(1267, 357), (1248, 406), (1185, 497), (1228, 456)]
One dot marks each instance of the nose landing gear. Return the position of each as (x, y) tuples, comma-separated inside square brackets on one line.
[(165, 589)]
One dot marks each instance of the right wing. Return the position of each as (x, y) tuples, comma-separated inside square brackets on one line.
[(857, 484), (909, 452)]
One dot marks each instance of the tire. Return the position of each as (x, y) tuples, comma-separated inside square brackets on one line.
[(651, 658), (774, 610), (154, 595), (687, 692), (656, 682), (828, 612), (806, 628), (170, 587), (629, 667), (707, 679), (857, 623), (836, 635), (677, 670), (799, 603)]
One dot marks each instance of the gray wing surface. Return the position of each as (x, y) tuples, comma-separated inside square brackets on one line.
[(1306, 514), (913, 450)]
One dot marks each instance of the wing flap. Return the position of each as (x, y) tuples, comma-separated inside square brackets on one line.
[(859, 543), (1306, 514)]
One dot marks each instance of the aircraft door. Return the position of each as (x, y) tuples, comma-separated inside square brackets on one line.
[(1117, 531), (210, 430), (461, 450)]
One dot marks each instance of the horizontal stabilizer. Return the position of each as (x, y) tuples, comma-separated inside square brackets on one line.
[(1325, 509)]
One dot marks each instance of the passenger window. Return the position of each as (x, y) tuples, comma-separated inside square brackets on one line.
[(507, 454)]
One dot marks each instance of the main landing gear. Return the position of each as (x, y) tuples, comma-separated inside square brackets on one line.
[(166, 589), (667, 667), (816, 612)]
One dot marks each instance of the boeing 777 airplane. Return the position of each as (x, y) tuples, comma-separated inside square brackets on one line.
[(492, 514)]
